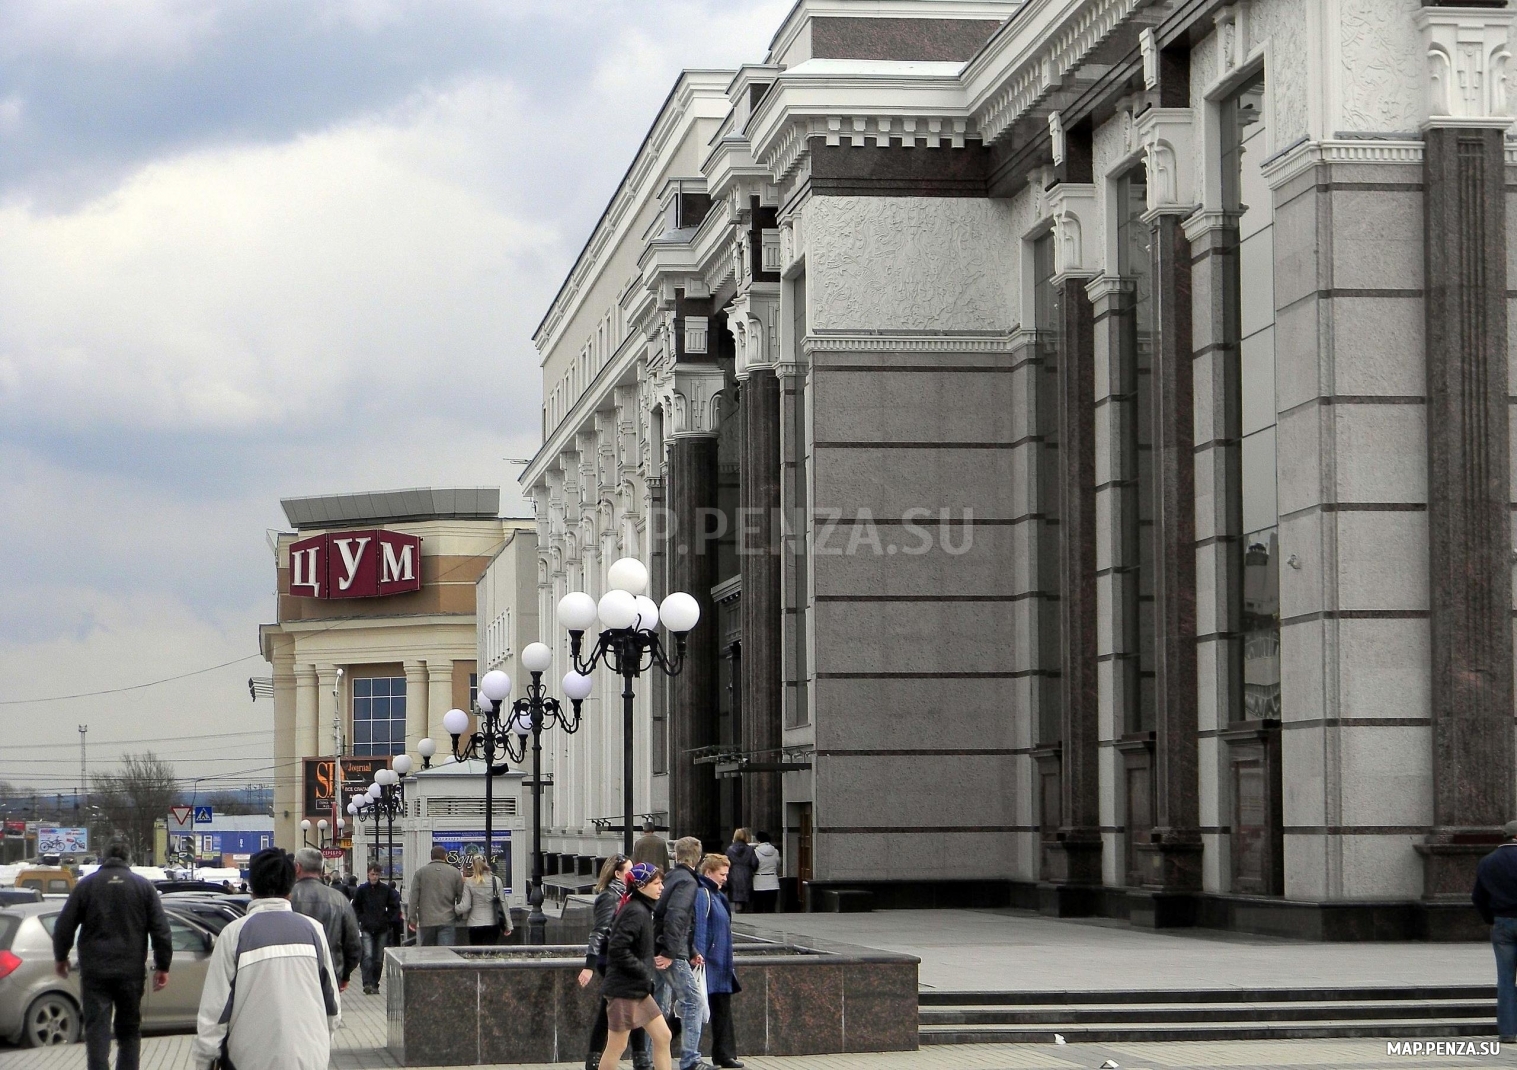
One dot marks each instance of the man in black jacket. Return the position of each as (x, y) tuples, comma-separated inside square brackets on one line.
[(114, 912), (378, 908), (1495, 896), (674, 940)]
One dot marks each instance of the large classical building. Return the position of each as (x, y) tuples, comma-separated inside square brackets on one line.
[(375, 638), (1085, 425)]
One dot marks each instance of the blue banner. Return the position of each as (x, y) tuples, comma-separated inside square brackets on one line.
[(463, 846)]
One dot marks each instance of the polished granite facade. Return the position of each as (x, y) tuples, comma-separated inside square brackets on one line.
[(449, 1007)]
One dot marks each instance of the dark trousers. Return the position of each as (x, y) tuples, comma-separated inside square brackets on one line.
[(764, 902), (374, 956), (723, 1042), (102, 995), (484, 934)]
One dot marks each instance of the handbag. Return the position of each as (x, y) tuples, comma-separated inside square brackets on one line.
[(699, 973), (502, 919)]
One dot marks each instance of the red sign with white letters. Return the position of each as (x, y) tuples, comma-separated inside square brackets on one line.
[(355, 564)]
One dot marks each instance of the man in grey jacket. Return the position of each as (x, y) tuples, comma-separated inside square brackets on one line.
[(331, 908), (436, 891), (674, 943)]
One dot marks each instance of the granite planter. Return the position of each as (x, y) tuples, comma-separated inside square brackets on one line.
[(470, 1006)]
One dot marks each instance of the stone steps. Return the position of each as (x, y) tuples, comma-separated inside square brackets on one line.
[(1210, 1014)]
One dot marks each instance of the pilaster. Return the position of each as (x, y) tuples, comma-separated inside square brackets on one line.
[(417, 724), (758, 559), (320, 740)]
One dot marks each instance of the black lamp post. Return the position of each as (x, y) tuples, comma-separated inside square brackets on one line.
[(487, 742), (629, 644), (529, 716), (387, 799), (321, 833)]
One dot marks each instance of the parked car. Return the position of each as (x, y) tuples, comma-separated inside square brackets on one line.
[(213, 914), (50, 880), (188, 886), (38, 1008), (12, 896)]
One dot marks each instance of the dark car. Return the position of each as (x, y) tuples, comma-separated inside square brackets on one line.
[(214, 914), (164, 887), (12, 896)]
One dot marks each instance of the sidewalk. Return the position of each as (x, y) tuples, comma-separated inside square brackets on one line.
[(1017, 950)]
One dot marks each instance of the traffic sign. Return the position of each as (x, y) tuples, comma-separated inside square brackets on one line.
[(331, 852), (180, 817), (203, 815)]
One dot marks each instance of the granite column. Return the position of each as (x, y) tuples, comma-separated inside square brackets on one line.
[(759, 561)]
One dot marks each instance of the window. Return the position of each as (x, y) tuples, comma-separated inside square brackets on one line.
[(58, 886), (1046, 318), (473, 689), (1246, 192), (49, 922), (1135, 262), (379, 715), (184, 938)]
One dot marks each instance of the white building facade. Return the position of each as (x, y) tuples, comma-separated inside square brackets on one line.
[(1085, 424)]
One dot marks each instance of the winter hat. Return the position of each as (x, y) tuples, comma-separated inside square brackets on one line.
[(644, 872)]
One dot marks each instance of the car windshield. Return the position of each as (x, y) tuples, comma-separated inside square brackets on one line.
[(9, 923)]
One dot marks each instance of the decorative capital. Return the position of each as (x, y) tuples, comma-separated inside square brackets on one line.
[(1166, 136), (753, 318), (1148, 45), (688, 395), (1468, 65), (1073, 208), (1056, 137)]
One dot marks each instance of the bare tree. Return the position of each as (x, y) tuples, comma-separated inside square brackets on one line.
[(133, 797)]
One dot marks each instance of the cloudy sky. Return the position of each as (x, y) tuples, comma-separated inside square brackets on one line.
[(259, 250)]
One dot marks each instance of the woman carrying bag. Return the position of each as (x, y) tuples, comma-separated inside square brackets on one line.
[(483, 910), (713, 942), (630, 971)]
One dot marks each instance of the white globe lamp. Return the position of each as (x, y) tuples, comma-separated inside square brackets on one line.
[(403, 764), (455, 722), (628, 574), (578, 686), (680, 612), (536, 657), (617, 610), (496, 685), (576, 611), (647, 614)]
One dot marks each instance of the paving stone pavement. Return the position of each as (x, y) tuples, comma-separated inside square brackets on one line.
[(359, 1045)]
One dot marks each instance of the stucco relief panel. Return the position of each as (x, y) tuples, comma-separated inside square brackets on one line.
[(1283, 23), (1381, 65), (878, 263)]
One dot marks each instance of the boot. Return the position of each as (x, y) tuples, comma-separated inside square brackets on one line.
[(642, 1060), (592, 1061)]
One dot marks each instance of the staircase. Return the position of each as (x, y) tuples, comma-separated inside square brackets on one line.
[(1121, 1017)]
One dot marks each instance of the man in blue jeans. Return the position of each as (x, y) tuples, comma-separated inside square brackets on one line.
[(674, 942), (1495, 896)]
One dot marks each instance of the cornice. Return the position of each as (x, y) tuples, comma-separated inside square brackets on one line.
[(1309, 154), (908, 342), (791, 27), (696, 94)]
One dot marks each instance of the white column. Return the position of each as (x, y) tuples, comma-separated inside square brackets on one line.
[(320, 739), (439, 700), (417, 705)]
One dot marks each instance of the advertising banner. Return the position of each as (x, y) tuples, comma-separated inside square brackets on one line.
[(15, 830), (463, 846), (357, 775), (62, 841)]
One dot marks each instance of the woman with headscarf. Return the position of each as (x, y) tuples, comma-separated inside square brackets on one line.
[(609, 890), (740, 878), (631, 972)]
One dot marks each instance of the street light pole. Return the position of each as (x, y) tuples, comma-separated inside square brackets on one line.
[(629, 644)]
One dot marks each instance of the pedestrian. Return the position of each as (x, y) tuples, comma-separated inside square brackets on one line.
[(744, 862), (377, 907), (1495, 897), (713, 940), (331, 909), (651, 848), (270, 999), (481, 908), (436, 891), (674, 918), (115, 913), (766, 878), (348, 886), (609, 889), (631, 966)]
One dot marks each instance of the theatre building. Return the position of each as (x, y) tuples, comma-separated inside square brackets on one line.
[(1085, 425), (375, 636)]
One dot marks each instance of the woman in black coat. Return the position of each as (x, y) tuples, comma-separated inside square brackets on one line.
[(630, 971), (744, 862), (608, 897)]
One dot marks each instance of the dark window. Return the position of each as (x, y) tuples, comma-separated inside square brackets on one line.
[(8, 926)]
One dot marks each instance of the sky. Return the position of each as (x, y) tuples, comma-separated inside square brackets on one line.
[(254, 251)]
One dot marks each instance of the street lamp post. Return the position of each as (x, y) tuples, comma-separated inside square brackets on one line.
[(387, 798), (629, 644), (529, 716)]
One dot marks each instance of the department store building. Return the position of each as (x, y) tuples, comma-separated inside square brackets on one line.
[(1085, 425)]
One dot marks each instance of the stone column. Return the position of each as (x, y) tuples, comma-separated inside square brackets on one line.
[(1173, 865), (1469, 519), (417, 724), (305, 711), (320, 740), (759, 561), (692, 568), (440, 701), (1074, 860)]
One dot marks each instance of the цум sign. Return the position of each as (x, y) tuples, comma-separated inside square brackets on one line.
[(355, 564)]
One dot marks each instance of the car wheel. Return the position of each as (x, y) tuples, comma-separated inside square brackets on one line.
[(51, 1019)]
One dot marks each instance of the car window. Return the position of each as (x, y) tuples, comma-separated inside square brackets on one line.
[(49, 921), (9, 923), (184, 937), (31, 882), (56, 887)]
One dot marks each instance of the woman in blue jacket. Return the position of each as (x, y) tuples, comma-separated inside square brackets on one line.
[(713, 942)]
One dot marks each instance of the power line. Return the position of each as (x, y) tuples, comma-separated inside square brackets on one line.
[(146, 739), (130, 687)]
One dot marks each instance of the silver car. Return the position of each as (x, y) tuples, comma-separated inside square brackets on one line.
[(37, 1007)]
